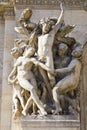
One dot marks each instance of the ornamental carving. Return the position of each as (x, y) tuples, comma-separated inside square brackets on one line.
[(49, 3)]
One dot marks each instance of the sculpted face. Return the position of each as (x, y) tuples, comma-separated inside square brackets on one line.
[(63, 49), (29, 52), (16, 52), (77, 52), (46, 27)]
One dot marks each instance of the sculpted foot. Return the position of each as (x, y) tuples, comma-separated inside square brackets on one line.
[(43, 112)]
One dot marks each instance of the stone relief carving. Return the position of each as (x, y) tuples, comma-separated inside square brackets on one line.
[(47, 69)]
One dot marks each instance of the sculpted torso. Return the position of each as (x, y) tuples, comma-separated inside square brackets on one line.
[(45, 43), (24, 70), (76, 73), (61, 62)]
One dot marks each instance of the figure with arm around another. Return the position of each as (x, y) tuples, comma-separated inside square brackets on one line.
[(69, 82)]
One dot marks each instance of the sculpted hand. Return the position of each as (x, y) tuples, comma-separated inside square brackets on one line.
[(25, 25), (35, 62), (52, 72), (61, 6)]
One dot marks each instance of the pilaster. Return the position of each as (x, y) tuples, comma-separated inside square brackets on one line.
[(6, 101)]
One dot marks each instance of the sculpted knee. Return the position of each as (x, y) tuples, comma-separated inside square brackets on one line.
[(57, 90), (32, 91)]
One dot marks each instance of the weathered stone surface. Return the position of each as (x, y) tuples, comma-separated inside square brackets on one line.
[(49, 122)]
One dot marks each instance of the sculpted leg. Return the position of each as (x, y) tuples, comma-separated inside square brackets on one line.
[(62, 87), (16, 102), (37, 101), (56, 100), (21, 98), (27, 106), (50, 64), (28, 86), (46, 80), (16, 107)]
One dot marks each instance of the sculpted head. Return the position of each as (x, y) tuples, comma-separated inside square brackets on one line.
[(26, 14), (46, 25), (29, 52), (16, 52), (77, 52), (63, 49)]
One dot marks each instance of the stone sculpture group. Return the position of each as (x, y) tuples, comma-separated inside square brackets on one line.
[(47, 69)]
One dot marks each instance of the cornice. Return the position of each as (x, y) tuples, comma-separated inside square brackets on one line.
[(51, 4), (6, 8)]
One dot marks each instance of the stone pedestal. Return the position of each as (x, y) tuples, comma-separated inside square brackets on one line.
[(47, 123)]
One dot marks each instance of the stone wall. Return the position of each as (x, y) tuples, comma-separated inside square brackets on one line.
[(6, 99)]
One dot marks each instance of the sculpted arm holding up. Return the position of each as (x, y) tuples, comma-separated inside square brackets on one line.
[(59, 21)]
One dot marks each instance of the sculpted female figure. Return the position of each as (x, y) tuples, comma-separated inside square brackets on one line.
[(69, 82), (26, 78), (18, 98)]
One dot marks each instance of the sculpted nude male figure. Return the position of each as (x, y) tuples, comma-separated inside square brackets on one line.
[(45, 43)]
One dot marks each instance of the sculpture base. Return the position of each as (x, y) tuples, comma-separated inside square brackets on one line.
[(50, 122)]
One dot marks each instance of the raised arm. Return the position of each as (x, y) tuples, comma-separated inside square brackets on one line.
[(59, 21)]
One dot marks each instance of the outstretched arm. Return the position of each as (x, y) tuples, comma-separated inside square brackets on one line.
[(59, 21), (38, 63), (65, 70), (43, 66)]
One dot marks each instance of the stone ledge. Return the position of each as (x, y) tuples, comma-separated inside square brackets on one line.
[(49, 121), (49, 4)]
